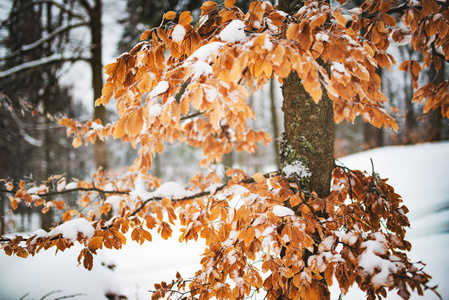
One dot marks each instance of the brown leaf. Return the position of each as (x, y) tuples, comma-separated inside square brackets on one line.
[(170, 15), (134, 122), (229, 3), (95, 243)]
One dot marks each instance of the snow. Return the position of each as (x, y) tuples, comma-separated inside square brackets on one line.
[(407, 39), (70, 229), (178, 33), (372, 263), (155, 110), (172, 190), (205, 51), (282, 211), (46, 272), (233, 32), (160, 88), (419, 173), (298, 168), (200, 68), (71, 185)]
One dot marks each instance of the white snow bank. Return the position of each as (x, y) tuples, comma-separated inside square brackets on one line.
[(46, 272)]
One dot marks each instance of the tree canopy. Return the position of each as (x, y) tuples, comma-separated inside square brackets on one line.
[(189, 82)]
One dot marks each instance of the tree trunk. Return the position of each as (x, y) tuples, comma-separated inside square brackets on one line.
[(309, 128), (274, 124), (100, 150), (411, 135), (308, 139), (435, 117)]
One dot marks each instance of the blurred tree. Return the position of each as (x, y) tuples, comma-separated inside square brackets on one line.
[(33, 145), (64, 17)]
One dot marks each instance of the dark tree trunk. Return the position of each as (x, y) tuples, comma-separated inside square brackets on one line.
[(309, 128), (274, 124), (435, 118), (308, 140), (100, 150)]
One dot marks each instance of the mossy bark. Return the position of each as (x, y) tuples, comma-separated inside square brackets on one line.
[(309, 128), (309, 137)]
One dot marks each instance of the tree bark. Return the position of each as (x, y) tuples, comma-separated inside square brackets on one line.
[(309, 128), (274, 123), (100, 150), (435, 118), (308, 140)]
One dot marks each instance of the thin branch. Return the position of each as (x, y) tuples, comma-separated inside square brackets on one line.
[(57, 57), (54, 193), (61, 6), (43, 40), (191, 116), (86, 5)]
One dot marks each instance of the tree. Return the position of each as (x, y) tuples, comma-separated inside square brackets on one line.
[(306, 223), (33, 139), (72, 14)]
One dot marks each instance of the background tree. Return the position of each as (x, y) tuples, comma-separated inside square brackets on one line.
[(31, 145), (303, 231), (72, 14)]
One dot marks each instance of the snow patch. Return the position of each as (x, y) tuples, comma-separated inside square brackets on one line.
[(70, 229), (172, 189), (204, 52), (178, 33), (282, 211), (296, 168), (160, 88), (233, 32)]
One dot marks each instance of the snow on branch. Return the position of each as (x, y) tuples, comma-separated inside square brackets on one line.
[(44, 39), (57, 57)]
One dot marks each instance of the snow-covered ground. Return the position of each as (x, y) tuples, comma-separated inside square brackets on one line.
[(419, 173)]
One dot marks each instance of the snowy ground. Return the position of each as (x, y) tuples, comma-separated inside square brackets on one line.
[(419, 173)]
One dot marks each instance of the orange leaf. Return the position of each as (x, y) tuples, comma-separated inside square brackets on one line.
[(134, 123), (339, 17), (21, 252), (166, 231), (170, 15), (85, 200), (76, 142), (67, 216), (119, 129), (229, 3), (143, 37), (258, 177), (249, 236), (166, 202), (14, 202), (207, 7), (59, 204), (96, 243), (185, 18), (295, 200)]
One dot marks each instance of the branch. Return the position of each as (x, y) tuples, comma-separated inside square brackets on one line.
[(61, 6), (53, 193), (86, 5), (198, 195), (54, 58), (43, 40)]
